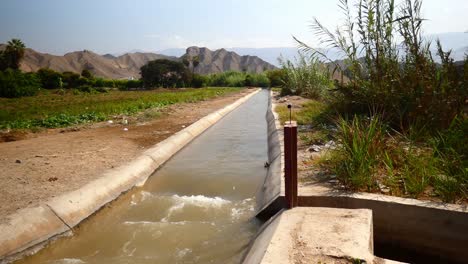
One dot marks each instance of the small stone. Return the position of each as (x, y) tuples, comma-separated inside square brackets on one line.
[(333, 181), (314, 148), (18, 161)]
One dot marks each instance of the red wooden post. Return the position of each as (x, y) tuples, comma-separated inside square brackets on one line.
[(290, 163)]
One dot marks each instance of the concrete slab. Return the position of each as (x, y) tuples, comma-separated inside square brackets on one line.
[(308, 235), (28, 227)]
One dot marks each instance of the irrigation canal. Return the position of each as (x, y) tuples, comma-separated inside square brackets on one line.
[(197, 208)]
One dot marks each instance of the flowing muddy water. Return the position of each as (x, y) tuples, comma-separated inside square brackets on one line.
[(197, 208)]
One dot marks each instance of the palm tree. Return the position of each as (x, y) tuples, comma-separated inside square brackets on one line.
[(13, 54)]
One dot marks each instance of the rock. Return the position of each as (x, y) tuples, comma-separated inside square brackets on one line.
[(18, 161), (333, 181), (125, 129), (383, 188), (314, 148)]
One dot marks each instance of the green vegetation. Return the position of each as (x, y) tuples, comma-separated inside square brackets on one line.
[(165, 73), (400, 117), (14, 83), (10, 57), (59, 109), (305, 76), (237, 79), (309, 112)]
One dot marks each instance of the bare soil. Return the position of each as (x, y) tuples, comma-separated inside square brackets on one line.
[(38, 166)]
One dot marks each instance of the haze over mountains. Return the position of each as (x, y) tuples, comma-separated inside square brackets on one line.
[(238, 59), (128, 65), (456, 41)]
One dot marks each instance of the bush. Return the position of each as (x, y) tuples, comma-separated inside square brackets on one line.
[(405, 90), (362, 146), (199, 81), (71, 79), (50, 79), (237, 79), (276, 77), (451, 149), (257, 80), (85, 89), (306, 77), (14, 83)]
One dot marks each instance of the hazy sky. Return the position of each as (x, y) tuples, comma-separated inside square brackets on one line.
[(59, 26)]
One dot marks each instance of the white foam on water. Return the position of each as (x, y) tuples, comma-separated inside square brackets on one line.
[(194, 200), (182, 252), (68, 261), (241, 209), (201, 200), (164, 223)]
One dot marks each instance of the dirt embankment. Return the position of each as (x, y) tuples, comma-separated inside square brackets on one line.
[(46, 164)]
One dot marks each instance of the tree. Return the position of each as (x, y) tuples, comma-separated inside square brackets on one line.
[(164, 73), (192, 62), (87, 74), (12, 55)]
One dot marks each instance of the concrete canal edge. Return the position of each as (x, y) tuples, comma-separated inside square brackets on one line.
[(431, 229), (31, 228)]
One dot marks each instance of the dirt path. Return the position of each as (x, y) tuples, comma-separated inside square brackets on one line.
[(50, 163)]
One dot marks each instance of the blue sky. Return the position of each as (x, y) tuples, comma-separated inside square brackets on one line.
[(113, 26)]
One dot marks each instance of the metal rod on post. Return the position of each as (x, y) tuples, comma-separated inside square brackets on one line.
[(290, 162)]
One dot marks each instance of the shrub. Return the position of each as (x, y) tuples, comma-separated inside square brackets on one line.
[(237, 79), (14, 83), (199, 81), (71, 79), (276, 77), (306, 77), (50, 79), (257, 80), (362, 142), (404, 90), (451, 149), (87, 74)]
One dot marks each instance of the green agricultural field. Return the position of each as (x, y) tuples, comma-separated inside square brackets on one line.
[(51, 109)]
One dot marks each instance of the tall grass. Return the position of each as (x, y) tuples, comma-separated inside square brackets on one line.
[(400, 81), (369, 155), (237, 79), (362, 143), (305, 76)]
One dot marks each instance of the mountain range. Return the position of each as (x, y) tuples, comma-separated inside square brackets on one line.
[(455, 41), (128, 65)]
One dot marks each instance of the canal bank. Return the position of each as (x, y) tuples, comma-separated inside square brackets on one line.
[(400, 229), (37, 225)]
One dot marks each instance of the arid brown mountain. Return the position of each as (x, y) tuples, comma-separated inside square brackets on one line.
[(122, 67), (222, 60), (128, 65)]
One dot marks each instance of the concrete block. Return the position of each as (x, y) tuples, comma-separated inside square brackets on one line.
[(76, 206), (305, 235), (27, 228)]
